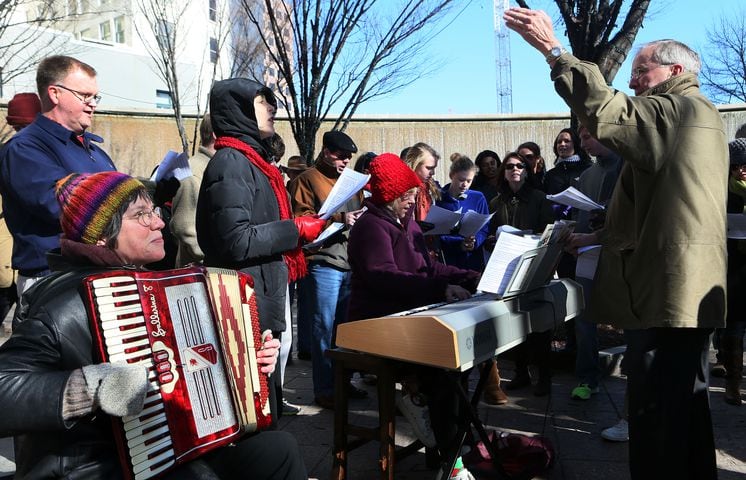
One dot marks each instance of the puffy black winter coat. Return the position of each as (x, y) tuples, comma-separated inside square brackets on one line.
[(238, 220)]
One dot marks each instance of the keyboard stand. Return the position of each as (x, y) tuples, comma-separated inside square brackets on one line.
[(469, 418)]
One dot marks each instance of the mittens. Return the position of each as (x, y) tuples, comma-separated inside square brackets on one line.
[(118, 388)]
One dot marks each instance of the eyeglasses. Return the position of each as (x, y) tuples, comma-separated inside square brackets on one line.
[(408, 196), (86, 98), (145, 217), (513, 166), (640, 71), (528, 156), (738, 167)]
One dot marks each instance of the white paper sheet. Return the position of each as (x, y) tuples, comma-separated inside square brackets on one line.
[(173, 165), (575, 198), (587, 261), (328, 232), (443, 220), (347, 185), (737, 226), (472, 222)]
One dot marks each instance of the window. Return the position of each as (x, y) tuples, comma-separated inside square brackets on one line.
[(119, 29), (213, 9), (165, 35), (104, 31), (72, 7), (163, 99), (213, 50), (87, 33)]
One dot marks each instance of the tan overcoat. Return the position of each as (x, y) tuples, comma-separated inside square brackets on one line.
[(663, 261)]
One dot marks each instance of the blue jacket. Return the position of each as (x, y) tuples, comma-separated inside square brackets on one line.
[(30, 165), (451, 244)]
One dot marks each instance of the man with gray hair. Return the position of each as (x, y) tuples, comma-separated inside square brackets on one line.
[(662, 271)]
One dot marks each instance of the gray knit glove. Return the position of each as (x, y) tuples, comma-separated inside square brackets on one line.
[(118, 388)]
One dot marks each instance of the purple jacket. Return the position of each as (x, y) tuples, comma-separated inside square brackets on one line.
[(391, 270)]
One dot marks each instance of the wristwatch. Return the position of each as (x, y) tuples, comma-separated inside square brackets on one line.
[(555, 53)]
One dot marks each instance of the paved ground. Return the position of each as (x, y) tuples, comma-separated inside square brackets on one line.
[(572, 426)]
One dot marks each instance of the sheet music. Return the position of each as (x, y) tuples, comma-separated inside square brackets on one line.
[(472, 222), (737, 226), (173, 165), (443, 220), (575, 198), (587, 261), (503, 261), (347, 185), (328, 232)]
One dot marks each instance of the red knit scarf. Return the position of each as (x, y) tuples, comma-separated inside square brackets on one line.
[(294, 259)]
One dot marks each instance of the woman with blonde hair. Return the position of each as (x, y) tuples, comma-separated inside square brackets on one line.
[(423, 160)]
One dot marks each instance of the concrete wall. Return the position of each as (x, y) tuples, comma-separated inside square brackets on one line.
[(138, 140)]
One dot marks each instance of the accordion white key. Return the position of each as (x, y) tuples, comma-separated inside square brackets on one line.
[(197, 331)]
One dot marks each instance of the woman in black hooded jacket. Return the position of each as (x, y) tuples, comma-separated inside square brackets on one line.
[(244, 221)]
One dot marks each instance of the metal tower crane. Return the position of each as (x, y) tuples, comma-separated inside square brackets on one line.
[(502, 59)]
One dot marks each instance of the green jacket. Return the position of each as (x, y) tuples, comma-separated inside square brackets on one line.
[(663, 261)]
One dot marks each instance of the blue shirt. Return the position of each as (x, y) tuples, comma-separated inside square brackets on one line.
[(451, 244), (30, 164)]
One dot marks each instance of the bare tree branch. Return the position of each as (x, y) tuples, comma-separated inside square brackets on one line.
[(159, 35), (724, 67), (341, 53)]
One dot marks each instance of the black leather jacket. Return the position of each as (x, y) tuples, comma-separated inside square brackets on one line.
[(51, 338)]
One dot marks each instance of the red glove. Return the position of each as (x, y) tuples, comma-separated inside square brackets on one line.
[(309, 227)]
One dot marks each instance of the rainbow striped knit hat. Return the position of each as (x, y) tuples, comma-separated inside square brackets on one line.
[(88, 202)]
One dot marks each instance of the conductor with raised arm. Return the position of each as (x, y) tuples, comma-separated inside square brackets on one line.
[(661, 274)]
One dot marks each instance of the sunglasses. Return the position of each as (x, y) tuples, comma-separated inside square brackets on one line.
[(513, 166)]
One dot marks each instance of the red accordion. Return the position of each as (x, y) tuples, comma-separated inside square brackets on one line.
[(197, 331)]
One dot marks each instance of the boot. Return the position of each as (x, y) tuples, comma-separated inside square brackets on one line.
[(493, 394), (544, 383), (733, 391)]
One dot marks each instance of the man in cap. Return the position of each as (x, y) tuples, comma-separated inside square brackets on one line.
[(324, 294), (662, 271), (56, 144)]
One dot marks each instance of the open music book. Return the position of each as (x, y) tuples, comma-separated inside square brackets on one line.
[(520, 263), (448, 222)]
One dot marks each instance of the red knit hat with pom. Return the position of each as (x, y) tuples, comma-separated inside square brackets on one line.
[(390, 178)]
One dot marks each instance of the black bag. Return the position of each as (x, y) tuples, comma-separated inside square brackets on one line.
[(521, 457)]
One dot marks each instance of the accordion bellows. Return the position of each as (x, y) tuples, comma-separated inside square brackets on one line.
[(197, 331)]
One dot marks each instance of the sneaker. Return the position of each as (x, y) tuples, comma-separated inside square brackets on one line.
[(418, 417), (583, 392), (460, 472), (289, 409), (617, 433)]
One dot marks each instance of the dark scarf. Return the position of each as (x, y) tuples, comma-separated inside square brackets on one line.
[(294, 259), (79, 253)]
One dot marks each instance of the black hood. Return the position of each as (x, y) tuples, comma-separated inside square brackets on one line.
[(232, 110)]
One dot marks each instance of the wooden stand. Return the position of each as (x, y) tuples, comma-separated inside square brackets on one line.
[(385, 370)]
